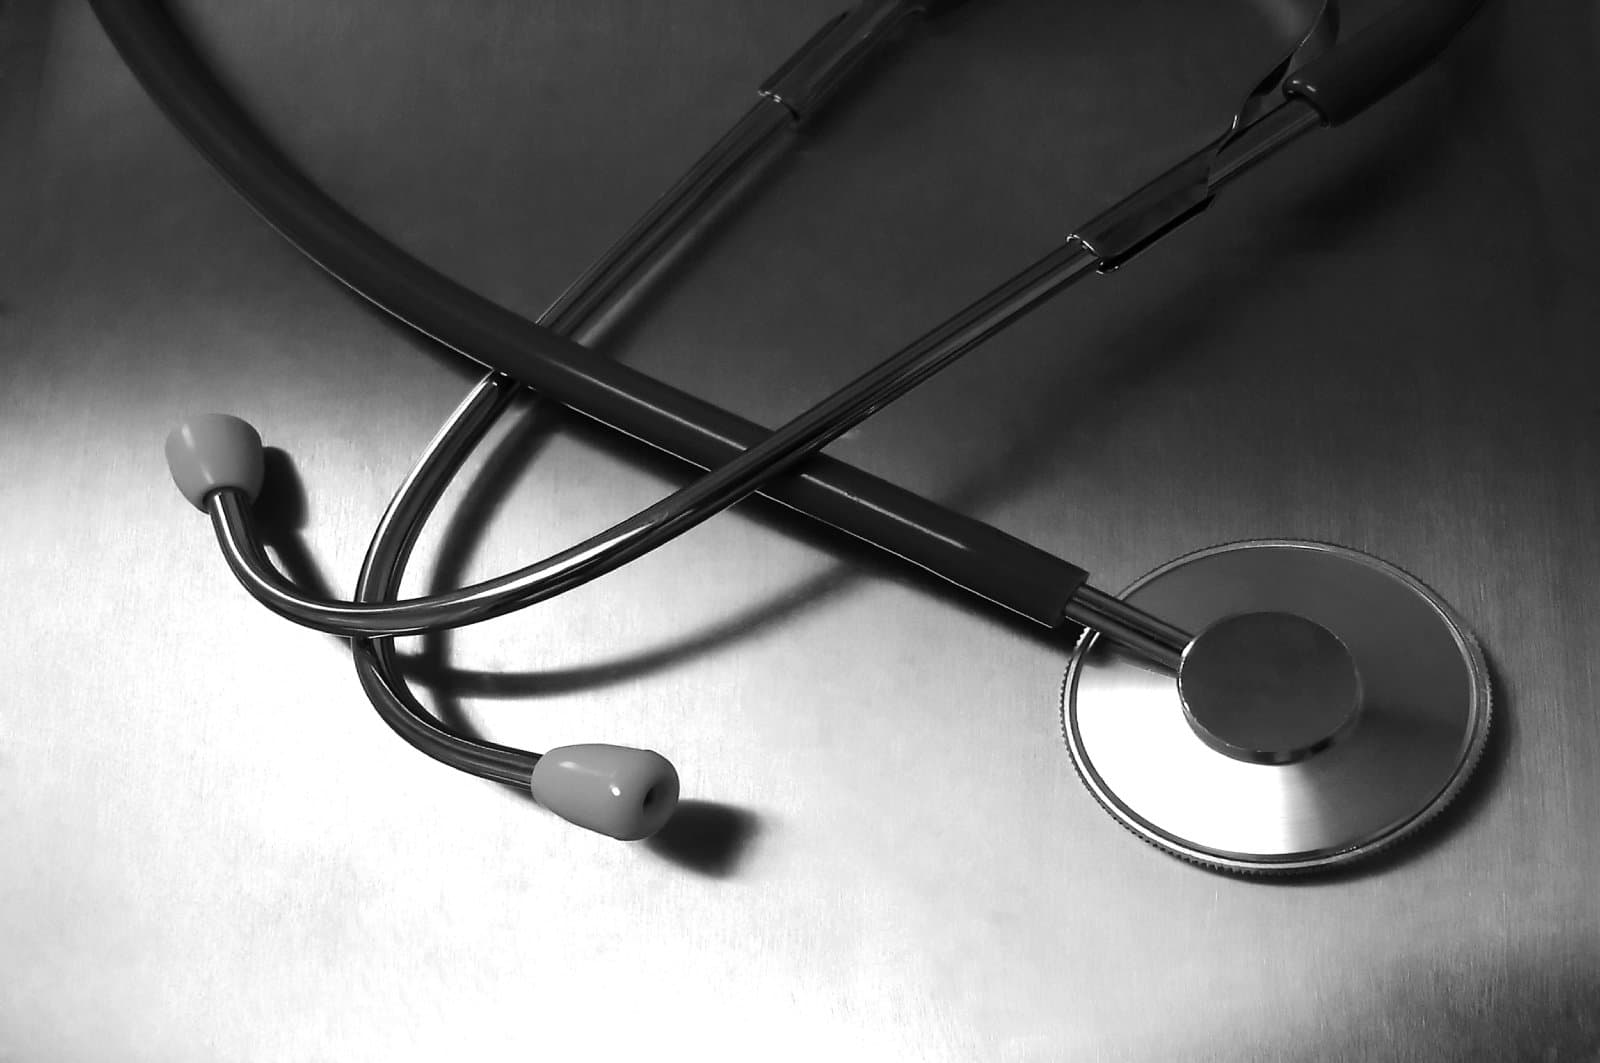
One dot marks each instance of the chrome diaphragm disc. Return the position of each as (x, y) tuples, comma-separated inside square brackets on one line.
[(1365, 711)]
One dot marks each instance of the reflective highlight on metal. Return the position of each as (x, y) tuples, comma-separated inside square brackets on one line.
[(1421, 729), (1128, 626)]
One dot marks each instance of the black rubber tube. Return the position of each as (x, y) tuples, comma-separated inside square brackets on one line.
[(1360, 72), (967, 552)]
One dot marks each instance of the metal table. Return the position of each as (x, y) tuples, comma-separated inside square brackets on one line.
[(213, 849)]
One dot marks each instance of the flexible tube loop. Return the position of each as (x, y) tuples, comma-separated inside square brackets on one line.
[(984, 560)]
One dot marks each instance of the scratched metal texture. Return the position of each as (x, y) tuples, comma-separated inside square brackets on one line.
[(210, 848)]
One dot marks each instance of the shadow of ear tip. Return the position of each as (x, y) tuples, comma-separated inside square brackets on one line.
[(707, 837), (282, 503)]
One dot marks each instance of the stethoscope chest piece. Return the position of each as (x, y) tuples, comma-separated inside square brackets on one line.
[(1328, 706)]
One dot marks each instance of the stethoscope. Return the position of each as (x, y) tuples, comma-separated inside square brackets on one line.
[(1265, 706)]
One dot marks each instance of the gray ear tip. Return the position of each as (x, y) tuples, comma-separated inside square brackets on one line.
[(618, 791), (214, 451)]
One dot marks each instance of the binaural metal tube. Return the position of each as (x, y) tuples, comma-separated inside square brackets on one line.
[(762, 127), (973, 555), (647, 409), (603, 287), (806, 82), (1270, 133), (723, 486), (673, 515)]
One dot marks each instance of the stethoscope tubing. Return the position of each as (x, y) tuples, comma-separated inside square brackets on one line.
[(1006, 571), (975, 555), (721, 486), (610, 282), (742, 457), (727, 483)]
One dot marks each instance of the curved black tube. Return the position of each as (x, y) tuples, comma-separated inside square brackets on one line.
[(1355, 75), (967, 552)]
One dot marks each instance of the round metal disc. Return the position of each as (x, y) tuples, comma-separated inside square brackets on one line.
[(1421, 727), (1269, 687)]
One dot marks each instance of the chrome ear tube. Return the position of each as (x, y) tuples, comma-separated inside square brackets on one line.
[(216, 460), (1270, 659)]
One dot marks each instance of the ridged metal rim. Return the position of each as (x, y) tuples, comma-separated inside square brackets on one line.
[(1472, 754)]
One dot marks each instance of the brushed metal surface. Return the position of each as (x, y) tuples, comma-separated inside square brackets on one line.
[(213, 849)]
